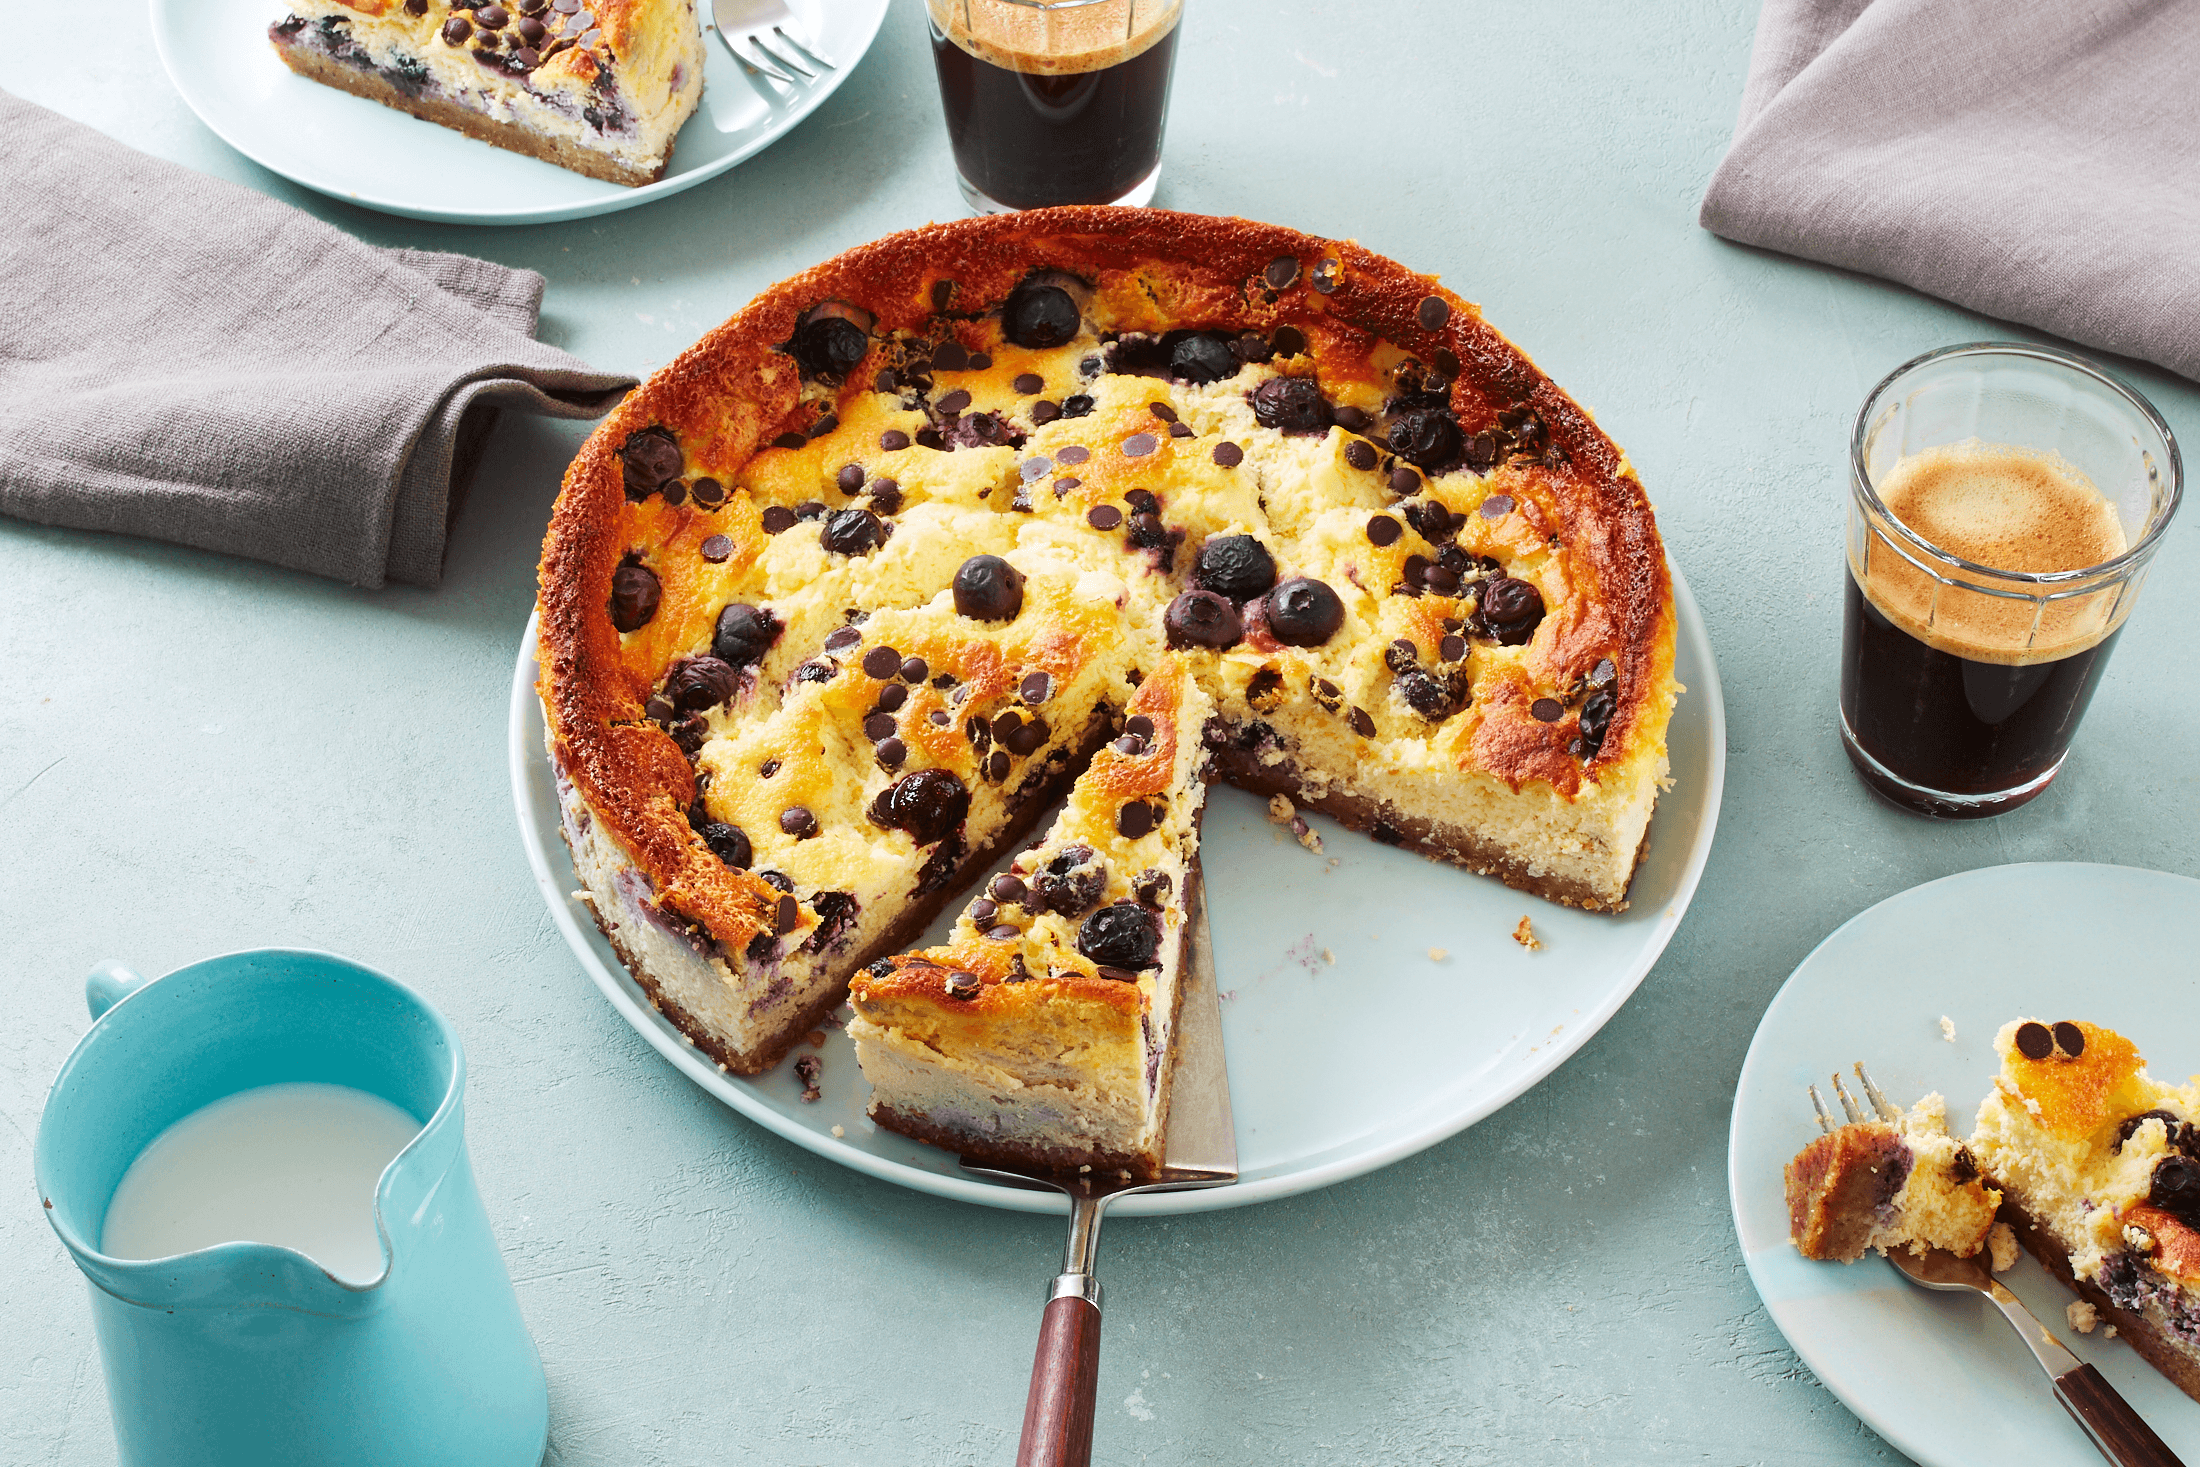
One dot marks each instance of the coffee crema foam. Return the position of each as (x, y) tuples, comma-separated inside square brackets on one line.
[(1058, 42), (2011, 508)]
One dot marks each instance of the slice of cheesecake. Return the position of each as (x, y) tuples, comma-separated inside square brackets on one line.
[(1904, 1183), (2100, 1167), (1041, 1034), (598, 86)]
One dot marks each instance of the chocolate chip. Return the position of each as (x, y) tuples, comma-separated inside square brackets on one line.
[(1547, 710), (951, 356), (789, 440), (979, 361), (1180, 430), (1325, 275), (885, 381), (1281, 272), (1044, 412), (1362, 725), (1026, 740), (1452, 648), (996, 766), (1077, 404), (882, 662), (1289, 341), (767, 769), (1138, 445), (1063, 486), (1142, 500), (416, 7), (1149, 886), (798, 822), (940, 717), (1162, 411), (1103, 517), (492, 16), (2035, 1041), (1075, 453), (891, 697), (717, 549), (1383, 530), (1036, 688), (1228, 454), (1130, 746), (2069, 1039), (456, 30), (850, 478), (943, 291), (1401, 655), (1360, 454), (1140, 725), (890, 753), (1034, 469), (659, 707), (1403, 481), (879, 726), (840, 639), (885, 496), (1134, 820), (914, 670), (1497, 506), (1005, 932), (983, 911), (708, 492), (1604, 674), (893, 440), (1030, 384), (1432, 313), (963, 986), (788, 916), (530, 30), (1115, 975), (1006, 887), (1441, 579)]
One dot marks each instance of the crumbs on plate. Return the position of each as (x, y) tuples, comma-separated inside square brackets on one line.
[(1524, 934)]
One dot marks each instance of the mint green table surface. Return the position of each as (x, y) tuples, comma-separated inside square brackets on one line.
[(200, 754)]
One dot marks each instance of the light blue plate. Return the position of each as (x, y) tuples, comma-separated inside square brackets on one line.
[(1941, 1376), (218, 56), (1325, 968)]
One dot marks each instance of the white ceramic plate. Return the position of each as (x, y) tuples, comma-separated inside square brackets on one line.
[(1941, 1376), (218, 56), (1323, 961)]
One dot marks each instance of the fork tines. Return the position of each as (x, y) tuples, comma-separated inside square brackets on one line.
[(768, 39), (1849, 1107)]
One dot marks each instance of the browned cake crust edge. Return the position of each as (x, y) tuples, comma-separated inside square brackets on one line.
[(733, 391), (2153, 1344), (511, 137)]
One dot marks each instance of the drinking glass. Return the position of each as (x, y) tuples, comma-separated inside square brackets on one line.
[(1962, 683), (1055, 101)]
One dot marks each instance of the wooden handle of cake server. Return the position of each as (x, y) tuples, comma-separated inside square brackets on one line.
[(2108, 1419), (1065, 1379)]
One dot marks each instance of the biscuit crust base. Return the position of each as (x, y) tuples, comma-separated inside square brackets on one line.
[(2154, 1344), (511, 137)]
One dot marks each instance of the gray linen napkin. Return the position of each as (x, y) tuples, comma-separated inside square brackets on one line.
[(193, 361), (2036, 160)]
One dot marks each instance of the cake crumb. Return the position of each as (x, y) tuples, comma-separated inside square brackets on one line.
[(1329, 957), (1947, 1028), (817, 1039), (2034, 1107), (1438, 954), (1524, 934), (806, 1068), (2138, 1239), (2083, 1317), (839, 1131), (2002, 1243), (1280, 809), (2109, 1333), (1305, 834)]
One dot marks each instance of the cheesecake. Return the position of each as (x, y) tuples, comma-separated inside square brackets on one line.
[(1888, 1184)]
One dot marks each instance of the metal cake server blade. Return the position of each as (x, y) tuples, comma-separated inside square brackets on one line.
[(1199, 1149)]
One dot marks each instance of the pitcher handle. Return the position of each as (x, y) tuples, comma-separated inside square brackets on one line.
[(109, 983)]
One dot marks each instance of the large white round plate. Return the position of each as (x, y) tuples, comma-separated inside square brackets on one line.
[(1326, 972), (1942, 1376), (218, 56)]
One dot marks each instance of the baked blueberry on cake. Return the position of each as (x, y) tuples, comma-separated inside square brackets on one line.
[(2099, 1165), (1085, 501), (598, 86), (1904, 1183)]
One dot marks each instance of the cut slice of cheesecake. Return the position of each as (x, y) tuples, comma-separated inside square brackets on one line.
[(1904, 1183), (2100, 1167), (598, 86), (1041, 1033)]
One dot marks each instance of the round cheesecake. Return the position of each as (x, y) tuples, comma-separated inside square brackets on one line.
[(1088, 503)]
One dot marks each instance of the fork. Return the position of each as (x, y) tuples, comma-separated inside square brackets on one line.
[(2107, 1419), (767, 36)]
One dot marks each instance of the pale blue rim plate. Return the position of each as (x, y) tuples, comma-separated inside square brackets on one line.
[(1941, 1376), (217, 55), (1325, 1085)]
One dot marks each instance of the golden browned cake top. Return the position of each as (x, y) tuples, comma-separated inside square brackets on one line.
[(1460, 562)]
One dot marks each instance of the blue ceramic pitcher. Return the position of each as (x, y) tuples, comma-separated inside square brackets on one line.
[(244, 1354)]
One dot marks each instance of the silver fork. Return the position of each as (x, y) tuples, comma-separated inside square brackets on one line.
[(2107, 1419), (767, 36)]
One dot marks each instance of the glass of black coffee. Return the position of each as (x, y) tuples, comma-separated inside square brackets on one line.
[(1055, 101), (2004, 503)]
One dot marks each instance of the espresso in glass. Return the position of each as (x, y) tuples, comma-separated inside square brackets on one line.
[(1055, 103), (1988, 580)]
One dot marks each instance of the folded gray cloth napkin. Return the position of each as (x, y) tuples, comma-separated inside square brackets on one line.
[(2037, 160), (193, 361)]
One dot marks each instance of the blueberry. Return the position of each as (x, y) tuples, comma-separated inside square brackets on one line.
[(1203, 357), (1238, 567), (701, 682), (1120, 937), (2176, 1188), (930, 804), (851, 532), (828, 346), (1596, 721), (1510, 610), (988, 588), (1202, 619), (728, 843), (1425, 436), (745, 633), (1303, 612), (1039, 316), (2180, 1135), (634, 596), (1292, 405)]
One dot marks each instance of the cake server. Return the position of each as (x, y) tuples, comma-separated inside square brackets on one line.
[(2117, 1431), (1199, 1149)]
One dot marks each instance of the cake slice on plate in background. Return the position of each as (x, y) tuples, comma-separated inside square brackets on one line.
[(598, 86)]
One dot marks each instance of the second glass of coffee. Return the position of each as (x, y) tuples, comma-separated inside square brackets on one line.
[(1055, 101), (2005, 501)]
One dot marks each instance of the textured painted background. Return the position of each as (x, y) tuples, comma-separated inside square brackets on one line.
[(198, 754)]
